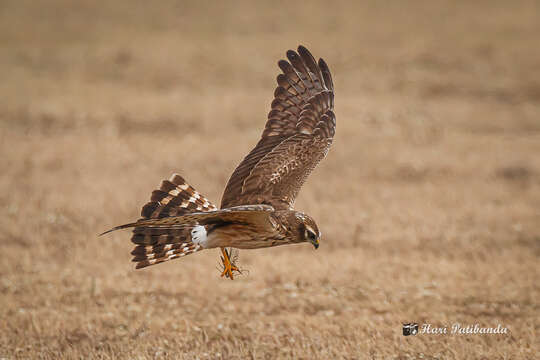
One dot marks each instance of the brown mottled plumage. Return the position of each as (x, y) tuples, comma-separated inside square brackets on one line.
[(297, 135), (257, 204)]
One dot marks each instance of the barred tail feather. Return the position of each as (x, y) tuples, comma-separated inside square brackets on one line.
[(150, 255), (144, 235), (175, 197)]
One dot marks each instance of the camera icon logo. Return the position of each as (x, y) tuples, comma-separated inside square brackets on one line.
[(410, 329)]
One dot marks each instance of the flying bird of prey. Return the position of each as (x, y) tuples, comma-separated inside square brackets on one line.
[(257, 204)]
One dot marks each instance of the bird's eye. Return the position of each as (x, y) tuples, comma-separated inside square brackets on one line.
[(311, 235)]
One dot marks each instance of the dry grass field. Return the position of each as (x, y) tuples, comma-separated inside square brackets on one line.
[(429, 200)]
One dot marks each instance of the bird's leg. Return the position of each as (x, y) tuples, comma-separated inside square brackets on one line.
[(228, 266)]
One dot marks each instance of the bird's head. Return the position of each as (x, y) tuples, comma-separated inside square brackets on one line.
[(308, 230)]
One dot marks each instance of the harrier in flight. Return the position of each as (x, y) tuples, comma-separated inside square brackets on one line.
[(257, 205)]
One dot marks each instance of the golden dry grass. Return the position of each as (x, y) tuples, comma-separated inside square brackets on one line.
[(428, 200)]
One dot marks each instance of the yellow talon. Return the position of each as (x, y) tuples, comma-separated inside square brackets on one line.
[(228, 267)]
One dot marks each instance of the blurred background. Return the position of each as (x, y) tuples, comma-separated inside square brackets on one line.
[(427, 201)]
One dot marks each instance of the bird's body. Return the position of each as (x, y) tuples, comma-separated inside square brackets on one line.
[(280, 228), (257, 205)]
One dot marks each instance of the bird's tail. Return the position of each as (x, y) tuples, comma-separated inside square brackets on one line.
[(175, 197)]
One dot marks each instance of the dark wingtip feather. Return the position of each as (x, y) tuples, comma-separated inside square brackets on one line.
[(326, 74), (305, 53), (284, 65), (310, 62), (292, 55)]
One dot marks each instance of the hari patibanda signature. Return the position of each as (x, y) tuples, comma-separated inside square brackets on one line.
[(461, 329)]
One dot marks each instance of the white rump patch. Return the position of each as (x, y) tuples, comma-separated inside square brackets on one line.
[(198, 235)]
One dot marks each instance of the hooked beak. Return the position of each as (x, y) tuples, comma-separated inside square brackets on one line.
[(315, 243)]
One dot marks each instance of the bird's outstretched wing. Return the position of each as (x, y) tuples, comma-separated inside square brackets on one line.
[(297, 135)]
